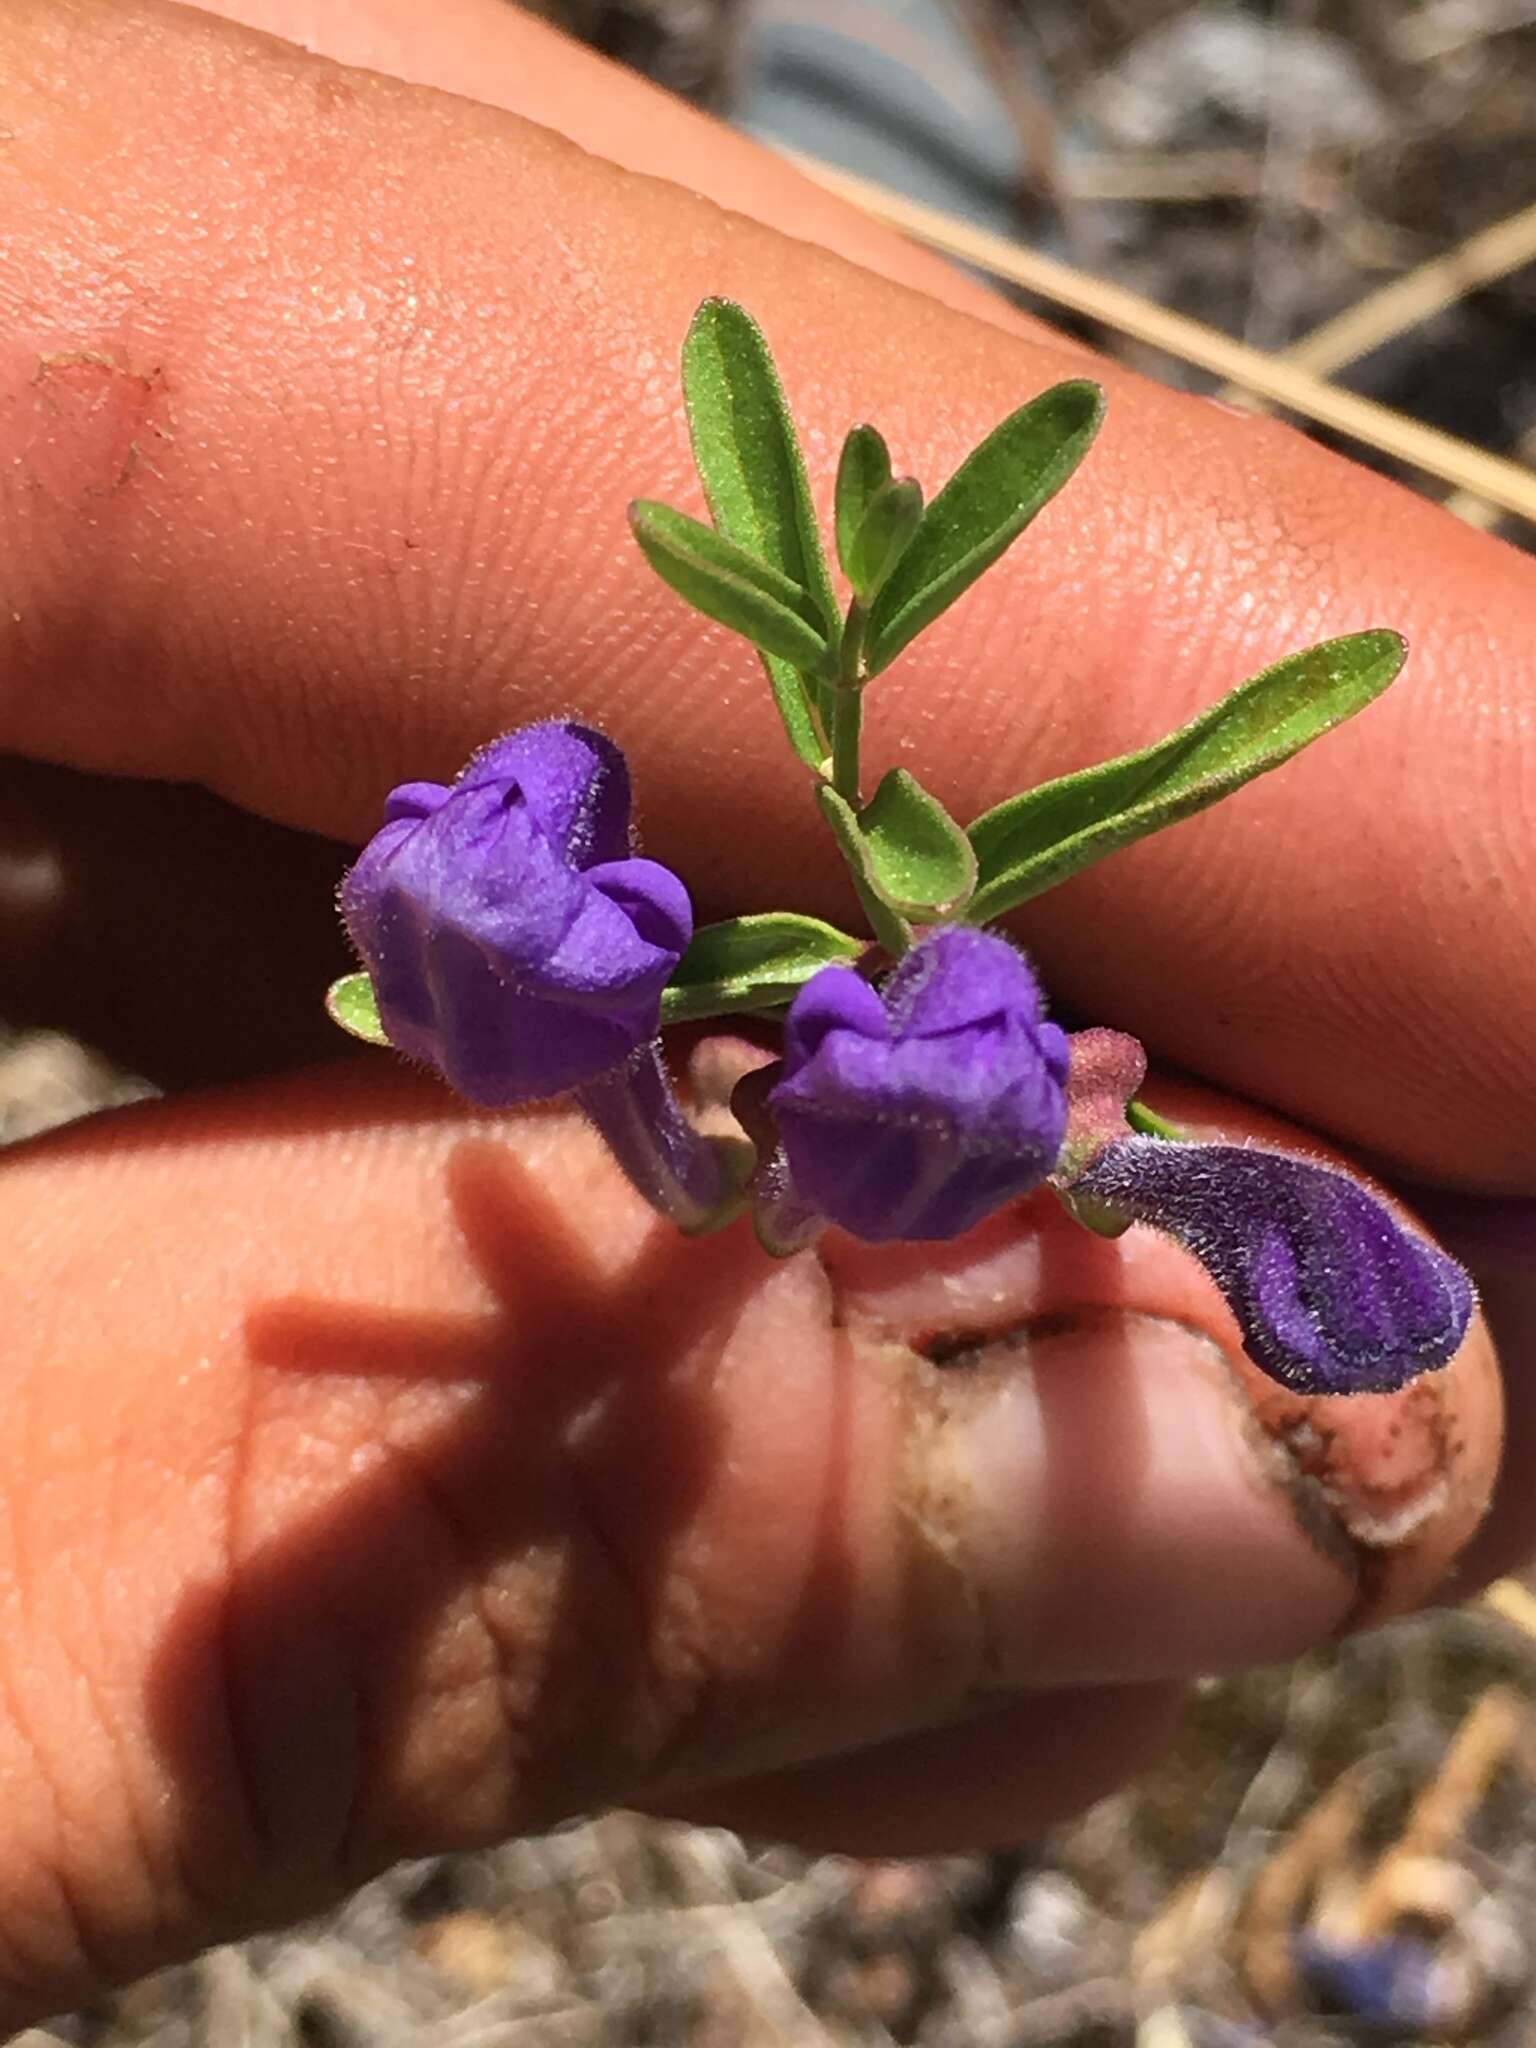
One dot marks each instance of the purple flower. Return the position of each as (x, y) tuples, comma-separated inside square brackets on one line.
[(513, 943), (915, 1110), (1332, 1293)]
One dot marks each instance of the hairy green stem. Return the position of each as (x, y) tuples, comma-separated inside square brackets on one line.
[(848, 704), (847, 721)]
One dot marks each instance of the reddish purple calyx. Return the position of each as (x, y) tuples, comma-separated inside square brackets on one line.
[(1107, 1067)]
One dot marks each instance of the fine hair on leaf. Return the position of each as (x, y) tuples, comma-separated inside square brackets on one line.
[(982, 510), (1040, 838), (748, 456)]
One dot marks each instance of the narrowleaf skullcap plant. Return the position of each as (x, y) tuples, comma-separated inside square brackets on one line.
[(514, 942)]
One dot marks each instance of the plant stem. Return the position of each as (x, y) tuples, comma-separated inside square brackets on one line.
[(847, 719), (847, 695), (1149, 1124), (848, 704)]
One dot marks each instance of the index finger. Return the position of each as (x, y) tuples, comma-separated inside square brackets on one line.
[(322, 397)]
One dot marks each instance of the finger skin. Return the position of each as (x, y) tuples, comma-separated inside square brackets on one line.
[(317, 453), (1507, 1289), (374, 1484), (1002, 1779), (489, 51)]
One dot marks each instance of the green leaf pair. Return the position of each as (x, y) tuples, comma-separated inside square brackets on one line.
[(988, 502), (762, 569), (876, 514), (749, 461)]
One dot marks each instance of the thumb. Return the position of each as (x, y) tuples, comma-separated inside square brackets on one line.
[(375, 1484)]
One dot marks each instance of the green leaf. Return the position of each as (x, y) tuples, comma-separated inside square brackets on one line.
[(888, 925), (982, 510), (351, 1003), (1036, 840), (1102, 1218), (863, 468), (747, 451), (890, 520), (908, 855), (727, 584), (752, 963), (921, 860), (750, 464)]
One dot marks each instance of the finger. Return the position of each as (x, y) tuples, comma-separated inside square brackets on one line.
[(1508, 1539), (1003, 1778), (1497, 1243), (508, 58), (373, 1483), (336, 492), (1388, 1468)]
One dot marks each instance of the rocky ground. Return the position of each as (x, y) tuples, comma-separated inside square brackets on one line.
[(1336, 1852)]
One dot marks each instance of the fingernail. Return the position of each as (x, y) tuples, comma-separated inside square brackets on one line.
[(1123, 1517)]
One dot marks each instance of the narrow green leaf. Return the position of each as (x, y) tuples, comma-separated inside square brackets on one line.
[(793, 694), (890, 520), (726, 583), (921, 861), (749, 462), (888, 925), (862, 469), (982, 510), (1033, 841), (747, 451), (752, 963), (351, 1003)]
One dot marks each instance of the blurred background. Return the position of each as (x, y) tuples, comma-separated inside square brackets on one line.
[(1348, 187), (1333, 201)]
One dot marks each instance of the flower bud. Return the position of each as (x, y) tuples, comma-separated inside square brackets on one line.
[(513, 943), (1333, 1295), (915, 1110)]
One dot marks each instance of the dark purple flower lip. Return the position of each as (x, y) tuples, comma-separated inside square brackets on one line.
[(1332, 1293)]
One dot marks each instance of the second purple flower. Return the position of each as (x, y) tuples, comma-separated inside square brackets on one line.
[(916, 1109)]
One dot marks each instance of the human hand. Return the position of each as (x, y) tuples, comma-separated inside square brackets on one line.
[(378, 1478)]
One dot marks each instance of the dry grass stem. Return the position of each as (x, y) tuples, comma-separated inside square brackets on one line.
[(1272, 378)]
